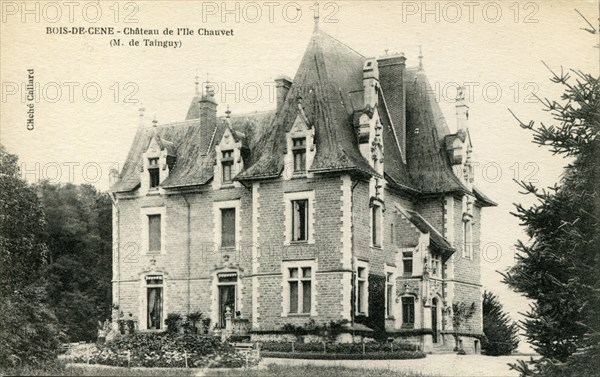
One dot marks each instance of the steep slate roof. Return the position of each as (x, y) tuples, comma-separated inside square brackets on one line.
[(327, 75), (329, 84), (191, 168)]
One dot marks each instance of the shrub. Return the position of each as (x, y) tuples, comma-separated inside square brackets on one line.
[(341, 348), (400, 355), (167, 350), (172, 322)]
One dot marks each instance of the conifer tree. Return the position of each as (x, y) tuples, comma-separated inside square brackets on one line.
[(501, 333)]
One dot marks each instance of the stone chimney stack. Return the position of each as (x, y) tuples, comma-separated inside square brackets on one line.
[(370, 83), (282, 86), (462, 111), (208, 118), (392, 76)]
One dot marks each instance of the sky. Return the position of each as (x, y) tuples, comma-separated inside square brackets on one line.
[(89, 90)]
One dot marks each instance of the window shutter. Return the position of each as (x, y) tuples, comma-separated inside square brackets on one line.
[(228, 227), (154, 235)]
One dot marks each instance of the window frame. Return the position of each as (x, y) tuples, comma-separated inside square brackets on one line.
[(227, 161), (218, 222), (467, 234), (297, 228), (299, 149), (376, 225), (287, 279), (222, 211), (145, 220), (390, 291), (153, 173), (408, 314), (157, 239), (288, 199), (361, 293), (407, 256)]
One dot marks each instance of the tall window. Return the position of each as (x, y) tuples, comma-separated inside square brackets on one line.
[(154, 233), (299, 152), (228, 227), (227, 166), (361, 290), (389, 295), (467, 239), (408, 312), (154, 172), (407, 263), (154, 301), (436, 265), (300, 289), (376, 225), (300, 220)]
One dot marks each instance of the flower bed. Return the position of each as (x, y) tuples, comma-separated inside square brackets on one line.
[(167, 350), (341, 348)]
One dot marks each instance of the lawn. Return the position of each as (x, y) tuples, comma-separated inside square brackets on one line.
[(271, 370), (312, 370)]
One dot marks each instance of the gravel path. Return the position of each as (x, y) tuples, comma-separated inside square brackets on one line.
[(447, 365)]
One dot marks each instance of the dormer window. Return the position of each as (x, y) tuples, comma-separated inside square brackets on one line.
[(299, 152), (227, 166), (154, 173)]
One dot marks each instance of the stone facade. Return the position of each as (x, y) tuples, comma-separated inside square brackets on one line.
[(312, 241)]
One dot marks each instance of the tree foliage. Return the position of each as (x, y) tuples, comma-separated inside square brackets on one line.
[(28, 328), (23, 253), (501, 333), (558, 267), (79, 238)]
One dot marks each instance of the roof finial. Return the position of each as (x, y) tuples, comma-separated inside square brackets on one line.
[(197, 83), (227, 113), (154, 122), (420, 58), (316, 10)]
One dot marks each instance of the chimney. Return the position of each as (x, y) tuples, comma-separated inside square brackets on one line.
[(462, 111), (391, 77), (282, 85), (208, 118), (370, 83)]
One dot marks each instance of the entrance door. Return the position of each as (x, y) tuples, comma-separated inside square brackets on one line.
[(434, 319), (226, 299), (155, 308)]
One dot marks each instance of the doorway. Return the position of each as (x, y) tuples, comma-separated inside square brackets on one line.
[(227, 296)]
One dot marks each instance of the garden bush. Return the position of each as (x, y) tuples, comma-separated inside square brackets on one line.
[(341, 348), (400, 355), (167, 350)]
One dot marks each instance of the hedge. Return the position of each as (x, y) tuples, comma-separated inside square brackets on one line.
[(342, 348), (401, 355)]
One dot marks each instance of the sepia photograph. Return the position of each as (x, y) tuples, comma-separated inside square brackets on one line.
[(295, 188)]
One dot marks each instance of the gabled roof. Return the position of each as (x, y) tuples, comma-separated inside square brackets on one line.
[(191, 168), (435, 237), (327, 75), (329, 84), (426, 129)]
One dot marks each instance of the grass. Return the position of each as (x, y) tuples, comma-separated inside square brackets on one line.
[(272, 370)]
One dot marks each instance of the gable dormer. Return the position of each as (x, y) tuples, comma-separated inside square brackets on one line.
[(301, 148), (229, 160), (157, 161)]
